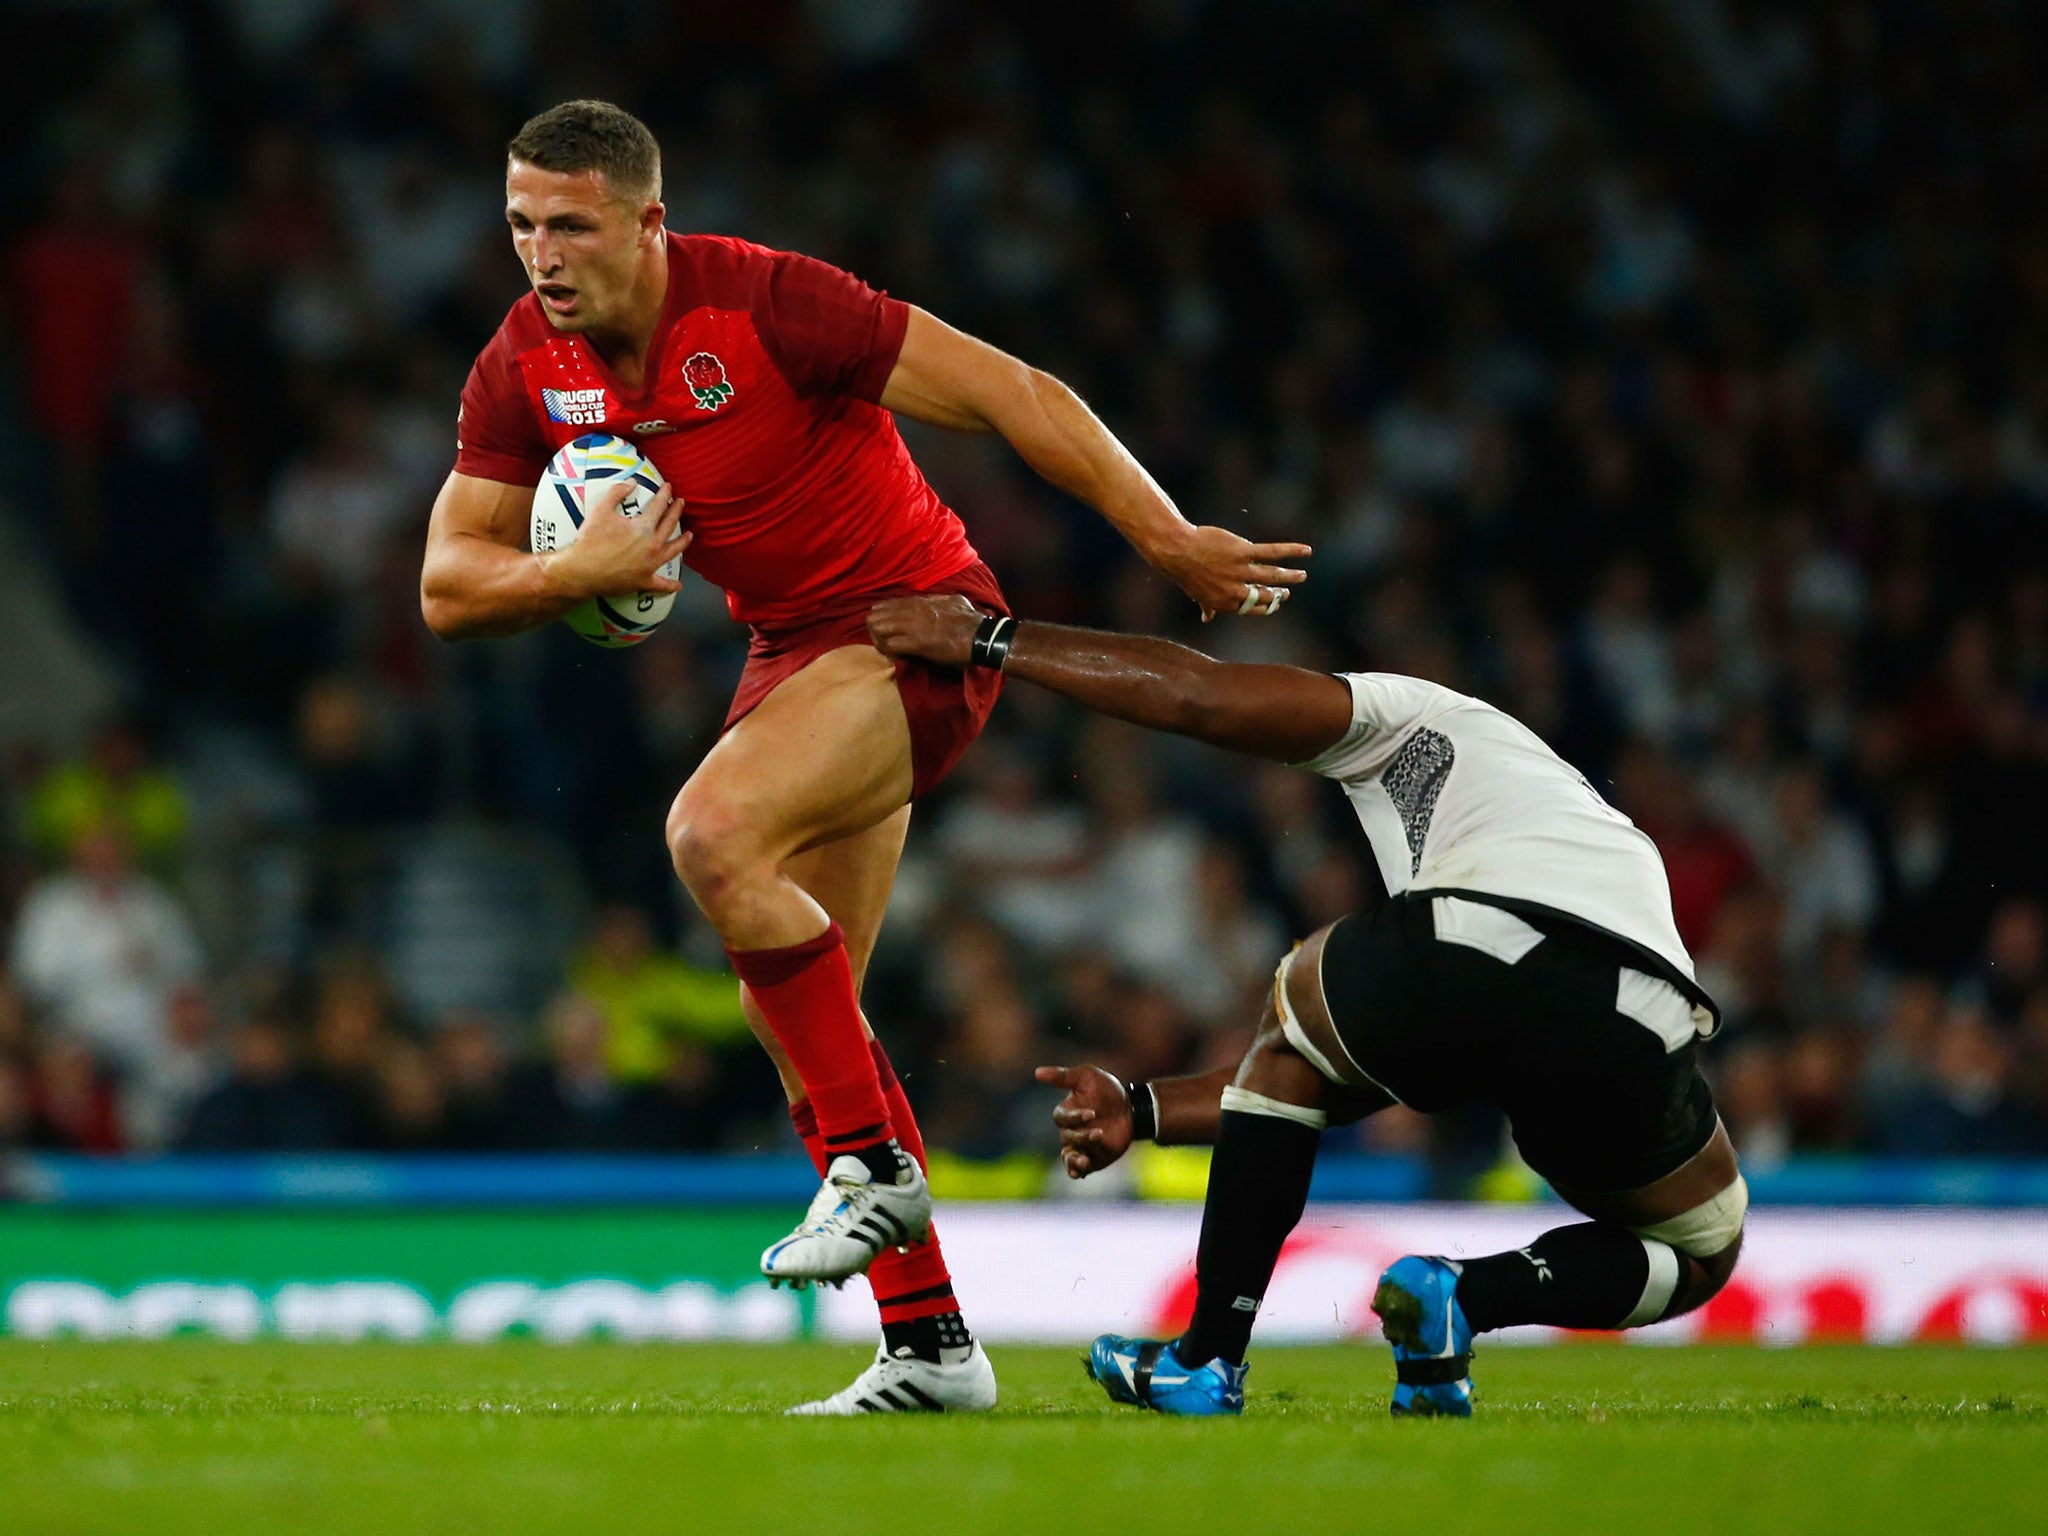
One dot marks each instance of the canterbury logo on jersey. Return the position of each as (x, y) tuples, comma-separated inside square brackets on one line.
[(576, 407)]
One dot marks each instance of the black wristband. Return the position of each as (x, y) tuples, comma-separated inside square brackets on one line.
[(992, 641), (1144, 1111)]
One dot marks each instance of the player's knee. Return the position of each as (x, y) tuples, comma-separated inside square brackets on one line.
[(1700, 1278), (1708, 1243), (709, 845), (1717, 1268)]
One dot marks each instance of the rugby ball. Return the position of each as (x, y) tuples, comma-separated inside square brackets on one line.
[(576, 478)]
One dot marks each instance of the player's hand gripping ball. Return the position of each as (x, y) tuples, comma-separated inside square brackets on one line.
[(576, 479)]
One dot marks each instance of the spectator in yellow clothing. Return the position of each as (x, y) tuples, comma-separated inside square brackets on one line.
[(116, 785), (654, 1000)]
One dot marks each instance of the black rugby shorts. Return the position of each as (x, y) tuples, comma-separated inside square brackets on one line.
[(1597, 1100)]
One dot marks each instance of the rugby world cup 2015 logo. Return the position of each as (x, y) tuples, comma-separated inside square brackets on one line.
[(705, 375), (574, 407)]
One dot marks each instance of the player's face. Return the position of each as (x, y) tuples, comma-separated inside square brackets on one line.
[(580, 244)]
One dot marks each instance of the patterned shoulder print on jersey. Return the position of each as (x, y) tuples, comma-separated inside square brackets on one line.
[(1413, 780)]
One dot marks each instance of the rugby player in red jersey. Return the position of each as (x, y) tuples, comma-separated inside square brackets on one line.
[(761, 384)]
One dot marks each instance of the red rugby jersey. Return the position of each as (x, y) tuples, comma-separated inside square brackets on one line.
[(759, 408)]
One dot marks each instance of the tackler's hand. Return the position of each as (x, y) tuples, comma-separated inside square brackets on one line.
[(1094, 1118), (937, 628)]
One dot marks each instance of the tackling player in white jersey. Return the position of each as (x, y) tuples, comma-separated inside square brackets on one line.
[(1522, 954)]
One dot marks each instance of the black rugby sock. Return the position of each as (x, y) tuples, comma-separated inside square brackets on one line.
[(942, 1338), (885, 1160), (1258, 1187), (1591, 1275)]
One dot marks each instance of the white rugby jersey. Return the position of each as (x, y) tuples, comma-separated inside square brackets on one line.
[(1458, 798)]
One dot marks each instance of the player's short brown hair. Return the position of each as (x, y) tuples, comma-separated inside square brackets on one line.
[(596, 136)]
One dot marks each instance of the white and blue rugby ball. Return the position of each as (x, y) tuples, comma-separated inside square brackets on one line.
[(576, 478)]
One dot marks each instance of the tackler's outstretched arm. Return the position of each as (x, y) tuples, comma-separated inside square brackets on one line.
[(1285, 713)]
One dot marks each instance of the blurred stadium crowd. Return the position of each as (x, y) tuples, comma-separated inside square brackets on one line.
[(1673, 382)]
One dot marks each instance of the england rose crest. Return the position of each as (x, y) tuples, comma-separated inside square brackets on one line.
[(705, 375)]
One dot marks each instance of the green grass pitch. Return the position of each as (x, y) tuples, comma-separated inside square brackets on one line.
[(218, 1439)]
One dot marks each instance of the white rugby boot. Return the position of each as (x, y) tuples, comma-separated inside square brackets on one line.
[(902, 1383), (851, 1220)]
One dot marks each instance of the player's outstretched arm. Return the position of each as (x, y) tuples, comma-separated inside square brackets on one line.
[(478, 580), (1094, 1119), (950, 379), (1285, 713)]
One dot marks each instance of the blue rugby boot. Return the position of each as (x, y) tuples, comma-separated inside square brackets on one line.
[(1417, 1303), (1147, 1374)]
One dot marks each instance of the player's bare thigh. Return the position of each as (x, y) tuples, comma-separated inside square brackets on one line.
[(851, 879), (824, 757)]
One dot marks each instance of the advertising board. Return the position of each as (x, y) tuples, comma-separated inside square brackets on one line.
[(1043, 1272)]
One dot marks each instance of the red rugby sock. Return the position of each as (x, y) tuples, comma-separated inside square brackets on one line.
[(908, 1283), (916, 1282), (805, 991)]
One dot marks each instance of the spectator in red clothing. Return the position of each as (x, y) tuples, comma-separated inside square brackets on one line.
[(71, 1101), (1819, 1082), (16, 1120), (1945, 715), (1703, 857), (78, 271), (285, 209), (13, 1019)]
